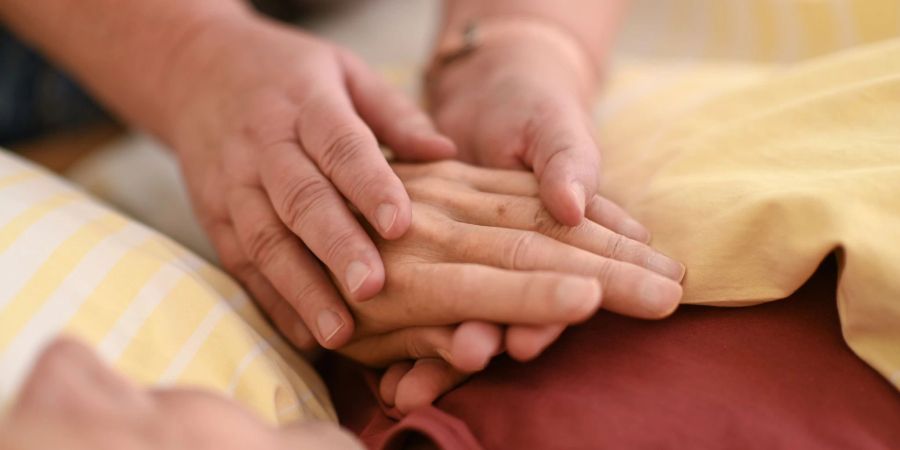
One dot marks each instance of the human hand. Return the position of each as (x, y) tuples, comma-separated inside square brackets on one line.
[(73, 401), (482, 250), (274, 129), (522, 103)]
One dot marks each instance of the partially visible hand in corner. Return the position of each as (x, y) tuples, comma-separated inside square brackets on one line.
[(485, 268)]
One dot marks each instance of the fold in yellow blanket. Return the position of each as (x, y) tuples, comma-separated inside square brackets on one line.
[(752, 176)]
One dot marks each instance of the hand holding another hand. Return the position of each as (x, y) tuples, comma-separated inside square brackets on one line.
[(485, 268)]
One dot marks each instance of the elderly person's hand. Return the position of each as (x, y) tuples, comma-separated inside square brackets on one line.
[(482, 250), (514, 91), (275, 121), (73, 401)]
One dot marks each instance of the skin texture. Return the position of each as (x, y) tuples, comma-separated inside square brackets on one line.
[(521, 99), (73, 401), (260, 116), (277, 133), (483, 251)]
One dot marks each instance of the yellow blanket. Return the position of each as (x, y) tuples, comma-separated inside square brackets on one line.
[(751, 175)]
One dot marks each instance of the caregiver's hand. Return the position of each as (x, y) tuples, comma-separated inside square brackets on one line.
[(483, 250), (523, 103), (275, 129)]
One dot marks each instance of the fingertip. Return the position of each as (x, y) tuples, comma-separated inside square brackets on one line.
[(387, 388), (474, 344), (393, 218), (333, 328), (580, 297), (413, 393), (660, 296), (634, 230), (565, 202), (525, 343), (363, 279), (425, 147)]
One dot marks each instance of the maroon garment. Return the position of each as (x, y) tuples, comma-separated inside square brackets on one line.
[(777, 375)]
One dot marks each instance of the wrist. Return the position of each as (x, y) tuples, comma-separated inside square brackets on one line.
[(510, 45)]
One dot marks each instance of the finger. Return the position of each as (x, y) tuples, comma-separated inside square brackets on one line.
[(509, 182), (393, 117), (627, 288), (525, 213), (424, 383), (279, 310), (474, 344), (566, 160), (307, 203), (381, 350), (526, 342), (476, 292), (346, 152), (272, 303), (387, 388), (293, 272), (607, 213)]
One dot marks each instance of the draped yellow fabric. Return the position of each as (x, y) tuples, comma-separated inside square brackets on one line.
[(752, 174)]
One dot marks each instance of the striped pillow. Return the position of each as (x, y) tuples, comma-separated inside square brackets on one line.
[(155, 311)]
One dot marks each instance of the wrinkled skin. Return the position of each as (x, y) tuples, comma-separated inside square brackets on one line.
[(483, 253), (267, 117), (73, 401)]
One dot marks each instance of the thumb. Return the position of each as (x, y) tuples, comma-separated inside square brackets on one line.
[(566, 161)]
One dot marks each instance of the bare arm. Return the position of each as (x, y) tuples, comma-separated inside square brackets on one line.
[(120, 51), (593, 22)]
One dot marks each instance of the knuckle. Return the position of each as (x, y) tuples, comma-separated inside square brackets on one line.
[(415, 346), (263, 243), (517, 254), (375, 185), (336, 243), (615, 245), (544, 223), (301, 296), (300, 198), (607, 272), (342, 147)]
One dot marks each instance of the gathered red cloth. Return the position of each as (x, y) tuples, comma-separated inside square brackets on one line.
[(776, 375)]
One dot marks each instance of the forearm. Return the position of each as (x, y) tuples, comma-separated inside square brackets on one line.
[(120, 51), (592, 22)]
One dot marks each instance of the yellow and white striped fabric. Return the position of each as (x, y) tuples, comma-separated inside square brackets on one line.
[(158, 313)]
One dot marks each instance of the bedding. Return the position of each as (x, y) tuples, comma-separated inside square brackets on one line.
[(155, 311), (776, 375)]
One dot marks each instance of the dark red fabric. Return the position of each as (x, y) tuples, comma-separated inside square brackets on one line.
[(777, 375)]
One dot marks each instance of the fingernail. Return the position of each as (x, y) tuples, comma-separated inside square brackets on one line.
[(357, 272), (329, 324), (635, 230), (666, 266), (385, 215), (574, 293), (578, 192), (660, 296), (445, 355)]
